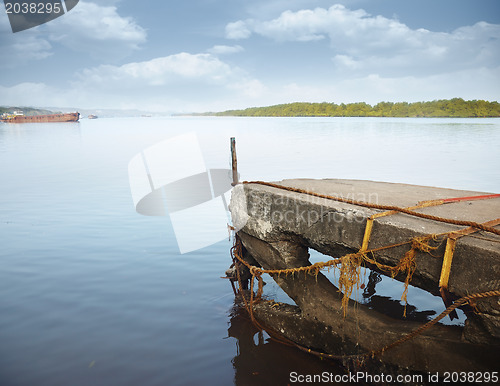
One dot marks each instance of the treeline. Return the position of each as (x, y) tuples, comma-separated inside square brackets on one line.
[(25, 110), (457, 108)]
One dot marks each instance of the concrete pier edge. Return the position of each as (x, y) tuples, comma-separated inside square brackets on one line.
[(280, 226)]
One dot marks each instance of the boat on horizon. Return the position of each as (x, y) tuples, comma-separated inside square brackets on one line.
[(21, 118)]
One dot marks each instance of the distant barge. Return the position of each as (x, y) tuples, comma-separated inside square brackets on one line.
[(68, 117)]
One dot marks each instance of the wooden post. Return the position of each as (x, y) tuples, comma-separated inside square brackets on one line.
[(234, 163)]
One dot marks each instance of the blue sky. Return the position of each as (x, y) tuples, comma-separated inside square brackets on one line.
[(212, 55)]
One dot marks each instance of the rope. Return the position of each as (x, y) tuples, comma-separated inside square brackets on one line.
[(450, 249), (453, 307), (369, 221), (236, 253), (407, 337), (350, 264), (381, 207), (485, 239)]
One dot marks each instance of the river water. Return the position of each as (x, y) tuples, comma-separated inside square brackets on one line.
[(91, 292)]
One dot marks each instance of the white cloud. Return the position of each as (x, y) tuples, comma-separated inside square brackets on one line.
[(173, 69), (174, 81), (180, 82), (201, 96), (33, 94), (480, 83), (252, 88), (221, 49), (272, 8), (98, 30), (303, 25), (238, 30), (20, 47), (362, 43), (89, 28)]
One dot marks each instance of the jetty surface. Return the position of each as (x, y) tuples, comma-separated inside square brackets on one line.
[(277, 227)]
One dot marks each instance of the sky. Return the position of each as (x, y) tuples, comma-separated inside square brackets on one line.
[(214, 55)]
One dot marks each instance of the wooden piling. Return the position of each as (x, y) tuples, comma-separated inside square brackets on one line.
[(234, 162)]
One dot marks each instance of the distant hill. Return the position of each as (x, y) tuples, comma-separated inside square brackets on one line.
[(26, 110), (102, 113), (453, 108)]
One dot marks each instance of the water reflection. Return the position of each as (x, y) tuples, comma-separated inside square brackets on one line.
[(389, 306), (84, 278), (262, 361)]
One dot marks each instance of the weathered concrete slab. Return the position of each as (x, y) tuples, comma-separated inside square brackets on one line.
[(281, 225)]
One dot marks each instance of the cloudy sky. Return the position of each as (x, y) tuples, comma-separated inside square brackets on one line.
[(212, 55)]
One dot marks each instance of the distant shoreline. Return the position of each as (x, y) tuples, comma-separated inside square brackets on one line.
[(447, 108)]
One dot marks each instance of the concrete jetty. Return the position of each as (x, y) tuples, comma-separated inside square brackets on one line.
[(277, 227)]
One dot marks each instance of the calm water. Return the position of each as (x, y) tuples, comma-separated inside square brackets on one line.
[(93, 293)]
